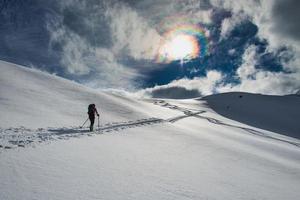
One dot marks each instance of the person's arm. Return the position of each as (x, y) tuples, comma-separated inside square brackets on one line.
[(96, 112)]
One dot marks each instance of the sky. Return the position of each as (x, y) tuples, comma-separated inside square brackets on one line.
[(160, 48)]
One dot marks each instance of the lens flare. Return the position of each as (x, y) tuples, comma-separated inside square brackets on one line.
[(183, 42)]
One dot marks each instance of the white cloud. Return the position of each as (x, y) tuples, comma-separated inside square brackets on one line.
[(97, 66), (271, 17), (172, 12), (198, 11), (262, 13), (261, 81), (73, 47), (247, 69), (136, 32), (132, 33), (272, 83), (140, 32), (73, 51), (204, 85), (251, 79), (228, 24), (126, 31)]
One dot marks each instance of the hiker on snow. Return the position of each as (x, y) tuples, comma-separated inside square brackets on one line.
[(92, 111)]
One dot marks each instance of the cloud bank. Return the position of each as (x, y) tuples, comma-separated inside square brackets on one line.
[(254, 45), (186, 88), (101, 42), (91, 55), (277, 23)]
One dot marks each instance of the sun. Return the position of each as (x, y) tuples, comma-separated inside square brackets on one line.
[(183, 42), (180, 47)]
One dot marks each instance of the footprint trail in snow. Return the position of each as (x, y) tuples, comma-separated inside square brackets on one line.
[(196, 113), (12, 138)]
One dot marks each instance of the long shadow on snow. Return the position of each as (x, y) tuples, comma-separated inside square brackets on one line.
[(109, 126), (65, 131)]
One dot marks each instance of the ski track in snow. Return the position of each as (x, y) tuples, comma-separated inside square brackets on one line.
[(21, 137), (12, 138), (195, 113)]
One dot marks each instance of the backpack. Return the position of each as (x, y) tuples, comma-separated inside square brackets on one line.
[(91, 109)]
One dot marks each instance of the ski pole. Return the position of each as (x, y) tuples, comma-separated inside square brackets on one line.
[(83, 123), (98, 123)]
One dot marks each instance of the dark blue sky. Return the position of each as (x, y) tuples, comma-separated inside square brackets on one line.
[(101, 44)]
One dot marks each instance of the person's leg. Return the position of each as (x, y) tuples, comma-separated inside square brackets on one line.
[(92, 119)]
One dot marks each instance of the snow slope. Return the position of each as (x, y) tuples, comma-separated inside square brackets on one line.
[(34, 99), (143, 149), (280, 114)]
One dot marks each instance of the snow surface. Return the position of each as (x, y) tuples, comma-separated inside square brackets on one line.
[(143, 148), (280, 114)]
